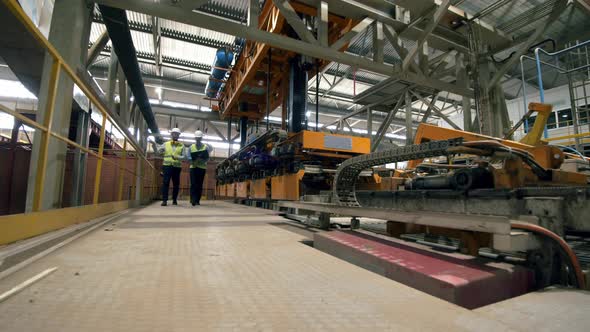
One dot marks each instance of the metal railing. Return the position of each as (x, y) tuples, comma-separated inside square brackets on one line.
[(58, 67), (564, 64)]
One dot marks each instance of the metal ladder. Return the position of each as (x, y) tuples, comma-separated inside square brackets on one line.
[(578, 65)]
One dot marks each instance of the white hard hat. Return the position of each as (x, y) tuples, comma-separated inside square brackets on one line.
[(175, 130), (198, 134)]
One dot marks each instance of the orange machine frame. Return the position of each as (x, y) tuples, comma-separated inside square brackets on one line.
[(314, 140), (543, 154), (243, 189), (231, 190), (259, 188), (286, 187), (546, 156)]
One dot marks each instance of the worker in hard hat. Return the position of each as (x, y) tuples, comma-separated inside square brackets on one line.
[(173, 152), (198, 155)]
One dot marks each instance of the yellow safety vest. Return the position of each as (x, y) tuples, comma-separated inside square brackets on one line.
[(198, 163), (176, 151)]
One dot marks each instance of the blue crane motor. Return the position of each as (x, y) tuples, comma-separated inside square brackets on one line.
[(223, 59)]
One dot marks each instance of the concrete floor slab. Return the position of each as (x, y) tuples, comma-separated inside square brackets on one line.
[(257, 276)]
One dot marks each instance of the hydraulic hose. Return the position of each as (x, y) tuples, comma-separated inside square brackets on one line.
[(566, 248), (525, 155)]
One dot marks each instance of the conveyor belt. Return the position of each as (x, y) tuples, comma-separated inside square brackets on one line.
[(348, 172)]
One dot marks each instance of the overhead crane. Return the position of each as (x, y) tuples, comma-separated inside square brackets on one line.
[(293, 161)]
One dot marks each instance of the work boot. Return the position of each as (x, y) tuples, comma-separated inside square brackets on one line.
[(174, 203), (164, 203)]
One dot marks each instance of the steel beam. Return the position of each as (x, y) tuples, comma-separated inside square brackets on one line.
[(294, 21), (437, 41), (558, 8), (322, 19), (112, 80), (157, 41), (463, 77), (172, 34), (216, 130), (185, 113), (253, 13), (385, 125), (275, 40), (123, 96), (429, 109), (437, 111), (96, 48), (398, 46), (70, 29), (409, 132), (347, 37), (378, 42), (436, 17)]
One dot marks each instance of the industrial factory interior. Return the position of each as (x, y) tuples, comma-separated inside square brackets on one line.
[(294, 165)]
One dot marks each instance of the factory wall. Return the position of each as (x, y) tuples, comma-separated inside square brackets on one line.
[(14, 172)]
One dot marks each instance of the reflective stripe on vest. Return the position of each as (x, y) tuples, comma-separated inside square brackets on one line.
[(170, 151), (201, 163)]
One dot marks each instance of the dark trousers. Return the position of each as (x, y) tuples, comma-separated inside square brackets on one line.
[(197, 177), (171, 172)]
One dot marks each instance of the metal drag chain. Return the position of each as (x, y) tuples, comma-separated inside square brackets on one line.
[(348, 172)]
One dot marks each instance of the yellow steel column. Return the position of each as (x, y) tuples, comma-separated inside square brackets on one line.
[(122, 170), (99, 160), (44, 141)]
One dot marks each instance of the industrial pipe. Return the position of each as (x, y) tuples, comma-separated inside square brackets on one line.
[(117, 26), (566, 248)]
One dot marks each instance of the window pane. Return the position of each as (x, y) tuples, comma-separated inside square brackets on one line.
[(583, 117), (564, 118), (551, 122)]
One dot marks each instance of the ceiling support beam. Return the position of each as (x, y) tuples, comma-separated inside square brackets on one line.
[(558, 8), (409, 132), (434, 20), (429, 108), (409, 29), (123, 97), (96, 48), (442, 62), (340, 79), (385, 125), (398, 46), (216, 130), (112, 80), (184, 113), (463, 77), (437, 111), (294, 21), (186, 125), (347, 125), (157, 39), (347, 37), (313, 50), (378, 42)]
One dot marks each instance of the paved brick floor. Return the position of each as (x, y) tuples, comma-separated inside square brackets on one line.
[(216, 267)]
